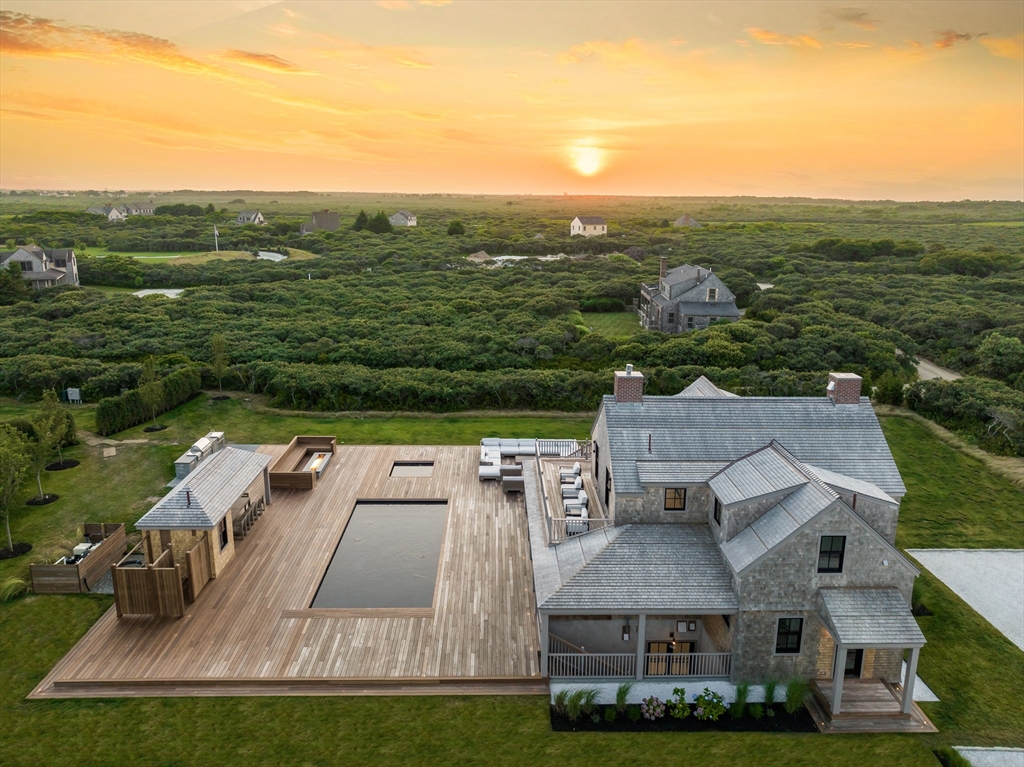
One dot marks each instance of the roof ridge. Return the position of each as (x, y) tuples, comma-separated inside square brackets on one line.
[(741, 458)]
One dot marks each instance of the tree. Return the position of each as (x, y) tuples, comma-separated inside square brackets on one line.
[(219, 358), (12, 285), (1001, 357), (49, 426), (14, 462), (889, 390), (361, 221), (210, 208), (151, 389), (60, 418), (455, 228), (379, 224)]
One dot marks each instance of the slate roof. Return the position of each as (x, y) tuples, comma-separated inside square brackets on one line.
[(776, 525), (213, 487), (870, 617), (677, 472), (858, 486), (845, 440), (323, 219), (763, 472), (591, 220), (703, 387), (666, 568), (684, 273)]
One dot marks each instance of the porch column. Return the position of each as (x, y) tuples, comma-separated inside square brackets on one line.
[(908, 680), (545, 641), (641, 644), (837, 677), (266, 485)]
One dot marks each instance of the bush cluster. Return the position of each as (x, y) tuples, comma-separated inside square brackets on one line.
[(114, 414)]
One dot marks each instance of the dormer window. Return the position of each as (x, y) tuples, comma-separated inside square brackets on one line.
[(712, 294)]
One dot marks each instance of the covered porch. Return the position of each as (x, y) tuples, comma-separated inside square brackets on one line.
[(856, 699)]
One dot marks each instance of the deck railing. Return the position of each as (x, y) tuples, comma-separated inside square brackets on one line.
[(564, 448), (701, 664), (562, 529), (606, 664)]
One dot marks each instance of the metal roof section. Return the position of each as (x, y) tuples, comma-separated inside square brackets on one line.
[(764, 472), (844, 440), (202, 500), (703, 387), (677, 472), (858, 486), (651, 568), (870, 617)]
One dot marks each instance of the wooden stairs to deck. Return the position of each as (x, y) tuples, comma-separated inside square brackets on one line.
[(868, 705)]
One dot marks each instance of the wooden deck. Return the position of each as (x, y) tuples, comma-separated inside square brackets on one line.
[(251, 631), (550, 468), (868, 705)]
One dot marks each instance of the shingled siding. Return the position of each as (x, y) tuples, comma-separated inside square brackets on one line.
[(754, 657), (718, 633), (880, 515), (649, 508)]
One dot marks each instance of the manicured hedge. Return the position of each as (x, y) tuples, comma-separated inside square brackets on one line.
[(988, 410), (115, 414), (28, 429)]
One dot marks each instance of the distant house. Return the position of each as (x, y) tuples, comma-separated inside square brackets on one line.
[(687, 220), (686, 298), (325, 220), (136, 209), (107, 211), (43, 268), (588, 226), (402, 218), (251, 217)]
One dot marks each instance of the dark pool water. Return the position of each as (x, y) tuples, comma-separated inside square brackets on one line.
[(387, 557)]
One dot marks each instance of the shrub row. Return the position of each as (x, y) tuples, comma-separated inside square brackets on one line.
[(68, 435), (988, 410), (115, 414)]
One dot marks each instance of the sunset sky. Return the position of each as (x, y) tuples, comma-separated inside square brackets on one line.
[(897, 100)]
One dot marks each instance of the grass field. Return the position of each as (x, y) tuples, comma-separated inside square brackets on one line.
[(154, 257), (612, 324), (973, 669)]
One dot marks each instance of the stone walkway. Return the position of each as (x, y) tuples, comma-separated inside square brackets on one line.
[(992, 757), (989, 580)]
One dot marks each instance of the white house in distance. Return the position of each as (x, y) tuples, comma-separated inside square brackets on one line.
[(588, 226), (107, 211), (136, 209), (402, 218), (43, 268), (250, 217)]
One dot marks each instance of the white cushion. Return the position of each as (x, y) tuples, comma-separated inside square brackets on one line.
[(489, 472), (489, 441), (576, 468)]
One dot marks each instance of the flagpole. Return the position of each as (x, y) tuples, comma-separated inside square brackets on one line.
[(216, 246)]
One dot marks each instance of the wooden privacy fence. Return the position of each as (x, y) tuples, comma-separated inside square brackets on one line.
[(155, 589), (197, 562), (80, 577)]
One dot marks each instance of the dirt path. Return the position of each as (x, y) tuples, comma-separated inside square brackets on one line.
[(927, 370)]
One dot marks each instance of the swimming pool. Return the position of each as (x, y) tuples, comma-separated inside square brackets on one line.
[(387, 557)]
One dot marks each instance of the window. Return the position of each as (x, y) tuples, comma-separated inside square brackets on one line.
[(788, 638), (830, 553), (712, 294), (27, 266), (675, 498), (689, 323), (223, 533), (597, 460), (671, 318), (718, 512)]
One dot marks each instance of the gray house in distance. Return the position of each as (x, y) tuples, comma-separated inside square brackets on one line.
[(43, 268), (686, 298), (321, 220), (742, 539)]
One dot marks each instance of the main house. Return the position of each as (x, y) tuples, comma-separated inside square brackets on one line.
[(136, 209), (250, 217), (107, 211), (588, 226), (43, 268), (403, 218), (325, 220), (686, 298), (745, 538)]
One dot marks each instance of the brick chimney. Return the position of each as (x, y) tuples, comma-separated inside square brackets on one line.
[(844, 388), (629, 385), (664, 267)]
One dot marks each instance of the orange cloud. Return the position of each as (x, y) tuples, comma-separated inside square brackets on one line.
[(1006, 47), (630, 51), (950, 37), (858, 17), (25, 35), (854, 45), (768, 37), (266, 62)]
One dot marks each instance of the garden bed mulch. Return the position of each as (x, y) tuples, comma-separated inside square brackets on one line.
[(70, 463), (19, 548), (220, 398), (151, 429), (35, 500), (801, 721)]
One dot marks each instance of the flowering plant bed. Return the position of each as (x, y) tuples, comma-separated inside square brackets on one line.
[(598, 721)]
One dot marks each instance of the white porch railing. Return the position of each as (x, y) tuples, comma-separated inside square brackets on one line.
[(570, 526), (606, 664), (564, 448), (687, 664)]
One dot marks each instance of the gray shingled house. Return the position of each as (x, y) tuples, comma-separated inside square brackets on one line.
[(321, 219), (43, 268), (752, 538), (686, 298)]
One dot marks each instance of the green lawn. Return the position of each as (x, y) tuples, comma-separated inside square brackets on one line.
[(612, 324), (152, 257), (973, 669)]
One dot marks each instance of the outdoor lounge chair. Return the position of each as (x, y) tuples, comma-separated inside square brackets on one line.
[(568, 475), (489, 472), (527, 447), (511, 470), (512, 484), (573, 490)]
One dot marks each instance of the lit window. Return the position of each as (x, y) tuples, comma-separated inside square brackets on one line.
[(788, 638), (675, 498)]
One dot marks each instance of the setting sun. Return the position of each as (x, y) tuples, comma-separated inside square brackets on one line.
[(587, 159)]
